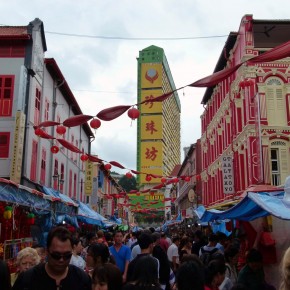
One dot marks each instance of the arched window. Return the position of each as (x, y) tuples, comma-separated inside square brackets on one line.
[(279, 154), (275, 102)]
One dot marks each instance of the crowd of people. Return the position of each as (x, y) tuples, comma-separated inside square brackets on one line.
[(140, 260)]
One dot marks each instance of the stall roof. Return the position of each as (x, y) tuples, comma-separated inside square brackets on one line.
[(14, 193), (252, 206), (64, 198), (89, 216)]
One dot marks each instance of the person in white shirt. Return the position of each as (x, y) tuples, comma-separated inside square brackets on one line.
[(76, 259), (172, 253)]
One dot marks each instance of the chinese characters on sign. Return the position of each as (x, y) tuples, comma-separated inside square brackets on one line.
[(228, 175), (16, 162), (151, 153), (89, 178), (151, 127)]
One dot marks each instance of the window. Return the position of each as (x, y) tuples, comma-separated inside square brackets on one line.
[(61, 176), (75, 186), (6, 95), (4, 144), (37, 106), (55, 172), (279, 161), (70, 184), (276, 103), (46, 113), (81, 193), (43, 166)]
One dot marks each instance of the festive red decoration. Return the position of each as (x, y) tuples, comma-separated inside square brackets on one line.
[(95, 123), (175, 180), (187, 178), (60, 130), (133, 113), (54, 149), (129, 175), (115, 163), (108, 166), (198, 178), (69, 146), (163, 179), (76, 120), (242, 84), (152, 193), (84, 157), (38, 132), (112, 113), (148, 178)]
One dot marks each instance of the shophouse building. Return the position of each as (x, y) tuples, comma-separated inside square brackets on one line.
[(245, 125)]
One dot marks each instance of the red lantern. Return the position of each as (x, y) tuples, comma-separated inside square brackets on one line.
[(175, 180), (38, 132), (187, 178), (152, 193), (133, 113), (54, 149), (108, 166), (198, 178), (148, 178), (60, 130), (129, 175), (84, 157), (163, 179), (95, 123)]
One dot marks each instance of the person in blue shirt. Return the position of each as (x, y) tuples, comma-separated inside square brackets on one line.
[(121, 253)]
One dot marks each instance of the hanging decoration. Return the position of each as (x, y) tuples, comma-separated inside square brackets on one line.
[(129, 175), (7, 214), (108, 166), (95, 124), (148, 177), (84, 157), (60, 130), (133, 113), (30, 218), (54, 149)]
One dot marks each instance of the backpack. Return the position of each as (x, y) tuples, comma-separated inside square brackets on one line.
[(206, 256)]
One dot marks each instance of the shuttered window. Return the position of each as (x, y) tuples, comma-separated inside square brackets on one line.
[(43, 166), (33, 161), (276, 103), (279, 154), (4, 144), (6, 95), (37, 107)]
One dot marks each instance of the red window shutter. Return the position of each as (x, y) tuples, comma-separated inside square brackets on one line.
[(33, 161), (6, 95), (55, 173), (75, 186), (61, 175), (4, 144), (43, 166), (70, 184), (37, 106)]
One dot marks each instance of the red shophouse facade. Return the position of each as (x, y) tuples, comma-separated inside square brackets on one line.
[(247, 115)]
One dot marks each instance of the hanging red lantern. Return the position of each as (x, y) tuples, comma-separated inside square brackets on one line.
[(95, 123), (133, 113), (30, 218), (108, 166), (54, 149), (38, 132), (187, 178), (84, 157), (129, 175), (60, 130), (148, 178), (175, 180), (163, 179)]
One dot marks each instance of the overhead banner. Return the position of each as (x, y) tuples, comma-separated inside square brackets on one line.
[(17, 151), (150, 107), (151, 127), (151, 75), (228, 174), (155, 200)]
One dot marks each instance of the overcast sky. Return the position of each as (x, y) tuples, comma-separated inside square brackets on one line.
[(103, 72)]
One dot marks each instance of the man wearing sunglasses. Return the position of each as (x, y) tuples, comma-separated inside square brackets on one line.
[(56, 273)]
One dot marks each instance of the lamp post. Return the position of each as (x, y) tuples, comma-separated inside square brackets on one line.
[(60, 181)]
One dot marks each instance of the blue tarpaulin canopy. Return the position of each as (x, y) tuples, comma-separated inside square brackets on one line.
[(20, 195), (254, 205), (89, 216)]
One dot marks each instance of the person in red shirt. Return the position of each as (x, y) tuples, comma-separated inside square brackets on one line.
[(164, 243)]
